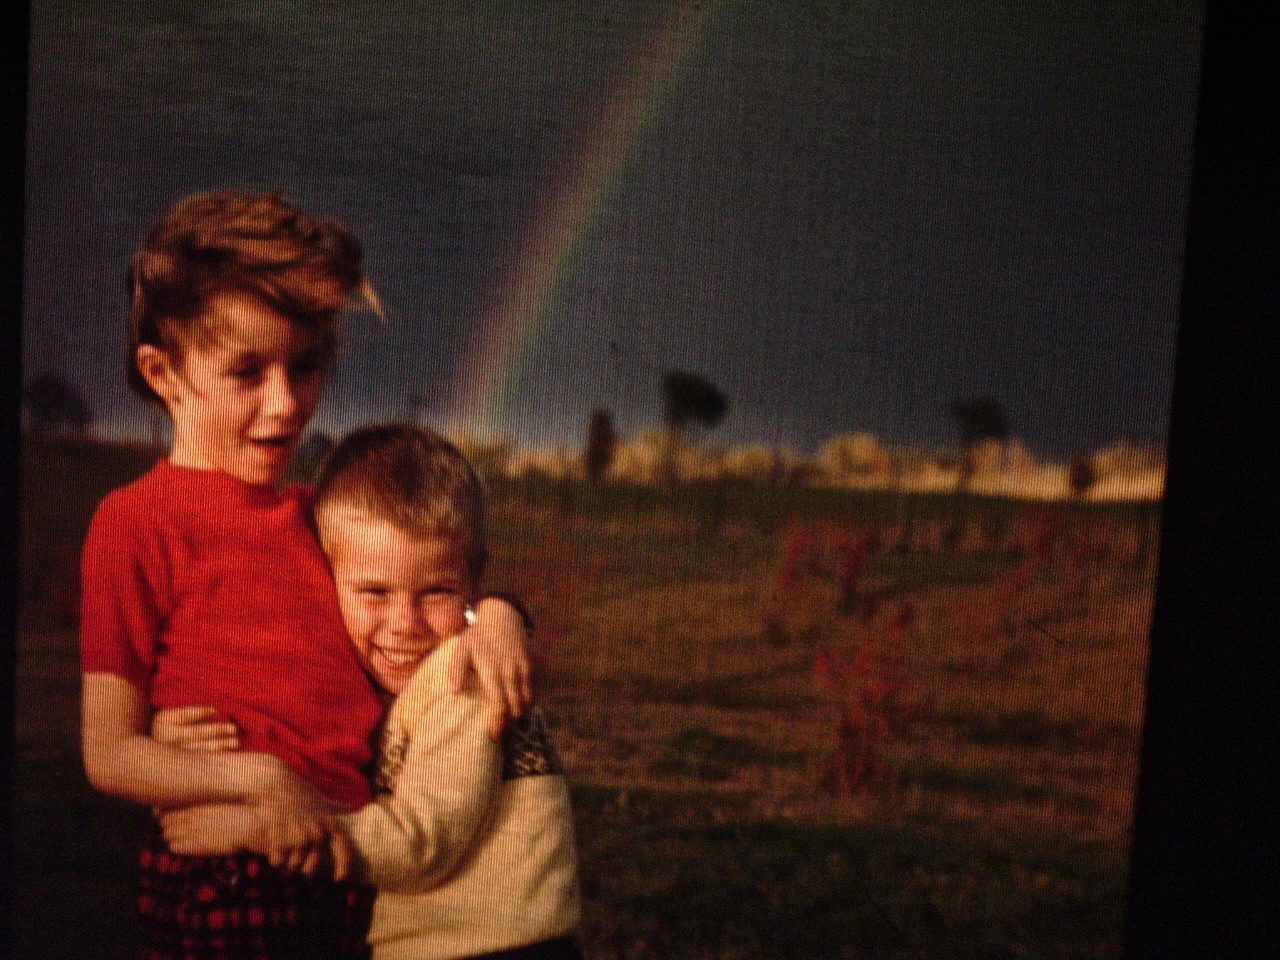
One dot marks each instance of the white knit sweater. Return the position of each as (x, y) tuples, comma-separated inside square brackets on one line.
[(469, 842)]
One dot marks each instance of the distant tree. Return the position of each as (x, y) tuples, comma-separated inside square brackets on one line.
[(1081, 475), (602, 444), (689, 398), (54, 403), (980, 419)]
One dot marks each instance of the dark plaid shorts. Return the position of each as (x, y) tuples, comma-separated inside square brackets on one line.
[(241, 908)]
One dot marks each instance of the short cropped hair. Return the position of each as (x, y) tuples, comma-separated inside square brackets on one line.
[(410, 477), (228, 241)]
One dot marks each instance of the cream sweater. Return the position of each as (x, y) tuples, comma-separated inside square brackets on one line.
[(469, 842)]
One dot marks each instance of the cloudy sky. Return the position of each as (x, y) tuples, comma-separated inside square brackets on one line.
[(847, 215)]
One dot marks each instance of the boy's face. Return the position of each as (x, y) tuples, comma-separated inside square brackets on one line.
[(241, 400), (401, 595)]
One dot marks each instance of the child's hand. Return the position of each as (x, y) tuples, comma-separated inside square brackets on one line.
[(297, 822), (193, 728), (213, 829), (496, 649), (342, 853), (297, 840)]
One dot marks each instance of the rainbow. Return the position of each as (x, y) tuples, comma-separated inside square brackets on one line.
[(521, 305)]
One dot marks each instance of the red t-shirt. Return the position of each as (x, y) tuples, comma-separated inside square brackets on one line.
[(201, 589)]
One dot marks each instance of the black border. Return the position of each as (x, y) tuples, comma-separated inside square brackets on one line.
[(14, 63), (1204, 835)]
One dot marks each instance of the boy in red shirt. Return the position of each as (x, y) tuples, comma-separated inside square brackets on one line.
[(205, 584)]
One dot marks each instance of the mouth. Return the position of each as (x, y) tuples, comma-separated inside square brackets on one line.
[(399, 660), (275, 444)]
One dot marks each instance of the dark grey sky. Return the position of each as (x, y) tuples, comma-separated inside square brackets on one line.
[(847, 215)]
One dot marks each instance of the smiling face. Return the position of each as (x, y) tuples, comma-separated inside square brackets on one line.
[(241, 396), (401, 595)]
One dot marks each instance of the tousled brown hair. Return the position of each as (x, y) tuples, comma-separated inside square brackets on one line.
[(410, 477), (229, 241)]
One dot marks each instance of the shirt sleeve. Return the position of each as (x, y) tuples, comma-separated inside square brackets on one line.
[(412, 839), (123, 582)]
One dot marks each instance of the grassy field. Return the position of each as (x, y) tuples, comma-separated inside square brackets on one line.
[(798, 723)]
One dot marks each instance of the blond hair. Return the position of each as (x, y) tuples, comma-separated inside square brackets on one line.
[(410, 477), (228, 241)]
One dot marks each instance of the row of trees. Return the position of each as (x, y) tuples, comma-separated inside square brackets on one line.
[(689, 398), (52, 404), (660, 455)]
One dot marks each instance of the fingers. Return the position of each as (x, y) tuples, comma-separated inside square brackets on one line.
[(192, 728), (511, 694), (298, 844), (341, 852), (523, 688), (495, 697), (311, 862), (214, 742), (275, 852), (190, 714)]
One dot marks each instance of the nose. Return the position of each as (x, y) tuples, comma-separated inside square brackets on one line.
[(404, 618), (280, 399)]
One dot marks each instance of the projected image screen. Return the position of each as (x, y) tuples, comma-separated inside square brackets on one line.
[(815, 359)]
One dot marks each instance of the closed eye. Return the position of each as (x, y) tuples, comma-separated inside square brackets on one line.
[(247, 372), (440, 592)]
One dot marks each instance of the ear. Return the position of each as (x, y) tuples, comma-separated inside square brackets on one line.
[(156, 367)]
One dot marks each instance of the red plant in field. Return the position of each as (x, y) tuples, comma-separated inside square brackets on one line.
[(1034, 532), (985, 618), (791, 583), (870, 690), (813, 555), (799, 550), (893, 538), (851, 549)]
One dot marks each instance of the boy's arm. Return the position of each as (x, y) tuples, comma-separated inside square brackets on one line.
[(411, 840), (497, 649), (214, 830), (122, 760)]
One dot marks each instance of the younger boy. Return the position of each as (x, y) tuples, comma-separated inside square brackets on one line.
[(470, 842)]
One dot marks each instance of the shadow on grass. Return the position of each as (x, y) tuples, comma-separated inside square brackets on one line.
[(990, 785), (747, 689), (690, 875), (1031, 728), (702, 753)]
